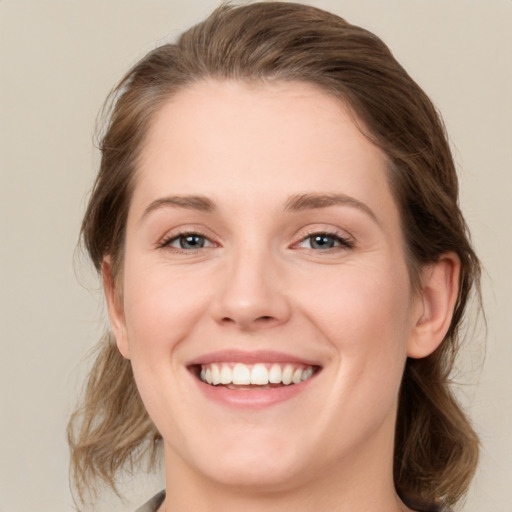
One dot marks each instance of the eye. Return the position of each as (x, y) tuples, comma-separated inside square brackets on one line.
[(187, 242), (324, 241)]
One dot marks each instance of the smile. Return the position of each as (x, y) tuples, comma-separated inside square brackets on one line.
[(253, 380), (254, 376)]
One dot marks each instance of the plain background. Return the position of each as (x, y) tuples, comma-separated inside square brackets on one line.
[(58, 60)]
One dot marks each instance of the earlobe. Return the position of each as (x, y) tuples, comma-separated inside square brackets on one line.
[(114, 307), (435, 305)]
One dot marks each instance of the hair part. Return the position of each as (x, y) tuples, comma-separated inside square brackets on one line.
[(436, 449)]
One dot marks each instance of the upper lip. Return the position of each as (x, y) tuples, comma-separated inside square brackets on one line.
[(241, 356)]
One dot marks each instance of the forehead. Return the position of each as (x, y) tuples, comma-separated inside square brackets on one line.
[(233, 139)]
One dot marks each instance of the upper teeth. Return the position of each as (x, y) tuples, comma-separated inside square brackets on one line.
[(261, 374)]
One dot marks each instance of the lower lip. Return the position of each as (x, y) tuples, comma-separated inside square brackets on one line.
[(252, 398)]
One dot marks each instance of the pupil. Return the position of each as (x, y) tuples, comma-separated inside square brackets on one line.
[(191, 242), (322, 242)]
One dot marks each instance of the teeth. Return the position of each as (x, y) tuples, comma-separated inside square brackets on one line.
[(260, 374), (215, 375), (287, 374), (241, 375), (275, 374), (226, 376), (307, 373)]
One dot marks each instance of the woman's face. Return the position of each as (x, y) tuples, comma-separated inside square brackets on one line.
[(263, 243)]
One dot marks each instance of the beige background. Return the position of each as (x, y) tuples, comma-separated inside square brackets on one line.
[(58, 60)]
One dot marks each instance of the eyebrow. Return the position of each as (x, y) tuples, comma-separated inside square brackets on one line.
[(191, 202), (299, 202)]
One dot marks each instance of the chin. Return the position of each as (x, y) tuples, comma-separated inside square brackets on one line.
[(260, 476), (262, 462)]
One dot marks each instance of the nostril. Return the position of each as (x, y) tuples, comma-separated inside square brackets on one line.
[(265, 319), (249, 324)]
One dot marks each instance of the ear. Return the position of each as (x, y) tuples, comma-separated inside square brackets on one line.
[(434, 305), (115, 307)]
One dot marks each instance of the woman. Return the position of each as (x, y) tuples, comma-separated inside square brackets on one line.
[(286, 270)]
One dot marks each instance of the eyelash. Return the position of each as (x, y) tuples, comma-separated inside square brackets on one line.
[(343, 242), (166, 242)]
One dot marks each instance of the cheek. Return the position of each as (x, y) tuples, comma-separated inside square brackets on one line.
[(162, 308), (162, 305), (364, 314), (361, 313), (354, 301)]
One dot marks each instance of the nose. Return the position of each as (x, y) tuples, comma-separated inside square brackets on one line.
[(252, 294)]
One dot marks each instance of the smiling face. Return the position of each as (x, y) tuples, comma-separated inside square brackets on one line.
[(263, 243)]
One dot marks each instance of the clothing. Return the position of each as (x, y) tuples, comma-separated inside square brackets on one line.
[(153, 504)]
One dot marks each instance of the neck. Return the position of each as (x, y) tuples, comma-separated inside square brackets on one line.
[(363, 484)]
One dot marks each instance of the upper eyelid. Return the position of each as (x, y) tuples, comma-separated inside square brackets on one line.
[(345, 241), (329, 231), (166, 240), (192, 229)]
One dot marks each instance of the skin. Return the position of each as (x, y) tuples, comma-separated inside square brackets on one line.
[(259, 284)]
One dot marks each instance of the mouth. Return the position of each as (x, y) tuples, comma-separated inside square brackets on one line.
[(257, 376), (252, 380)]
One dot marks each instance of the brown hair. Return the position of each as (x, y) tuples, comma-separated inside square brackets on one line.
[(436, 450)]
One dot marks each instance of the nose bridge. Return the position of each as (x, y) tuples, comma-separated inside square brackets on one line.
[(252, 294)]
